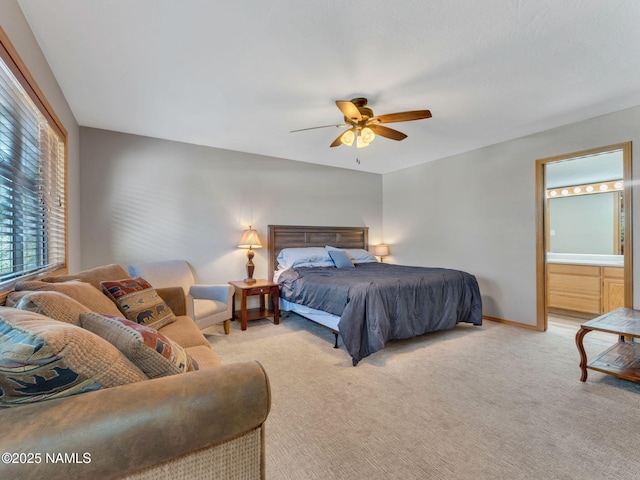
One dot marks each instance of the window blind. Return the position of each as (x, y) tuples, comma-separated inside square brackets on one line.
[(32, 185)]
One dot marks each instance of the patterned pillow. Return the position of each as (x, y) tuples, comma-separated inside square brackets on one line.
[(42, 358), (154, 353), (85, 293), (139, 302), (54, 305)]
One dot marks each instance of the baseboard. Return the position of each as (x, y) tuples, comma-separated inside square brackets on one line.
[(572, 313), (510, 322)]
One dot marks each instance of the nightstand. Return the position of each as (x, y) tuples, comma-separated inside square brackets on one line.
[(259, 287)]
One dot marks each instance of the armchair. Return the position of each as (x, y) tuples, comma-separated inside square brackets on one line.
[(206, 304)]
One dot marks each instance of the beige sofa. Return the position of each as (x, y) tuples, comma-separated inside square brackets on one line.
[(207, 423)]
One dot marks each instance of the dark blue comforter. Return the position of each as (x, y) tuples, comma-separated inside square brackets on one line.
[(377, 302)]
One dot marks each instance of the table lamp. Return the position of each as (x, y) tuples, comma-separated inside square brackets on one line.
[(381, 251), (250, 240)]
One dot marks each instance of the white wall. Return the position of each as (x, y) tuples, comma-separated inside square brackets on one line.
[(146, 199), (476, 211), (22, 38)]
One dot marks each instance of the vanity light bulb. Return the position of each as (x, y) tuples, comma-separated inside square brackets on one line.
[(618, 185), (565, 192), (553, 193), (577, 190), (604, 187), (589, 189)]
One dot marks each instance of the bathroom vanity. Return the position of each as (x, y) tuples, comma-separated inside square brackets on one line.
[(584, 285)]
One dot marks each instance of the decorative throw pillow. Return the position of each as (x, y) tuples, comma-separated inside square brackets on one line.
[(54, 305), (85, 293), (139, 302), (154, 353), (341, 259), (357, 255), (42, 358)]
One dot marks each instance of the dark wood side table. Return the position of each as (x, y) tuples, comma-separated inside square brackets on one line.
[(622, 359), (259, 287)]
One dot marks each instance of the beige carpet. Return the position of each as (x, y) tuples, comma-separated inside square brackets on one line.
[(489, 402)]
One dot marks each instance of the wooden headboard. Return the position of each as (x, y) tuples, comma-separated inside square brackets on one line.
[(293, 236)]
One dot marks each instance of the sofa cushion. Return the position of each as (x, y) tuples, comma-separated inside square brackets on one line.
[(175, 299), (139, 302), (42, 358), (54, 305), (154, 353), (185, 332), (83, 292), (93, 276), (13, 298), (204, 356)]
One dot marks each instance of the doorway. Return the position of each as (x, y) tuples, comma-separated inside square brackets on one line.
[(599, 259)]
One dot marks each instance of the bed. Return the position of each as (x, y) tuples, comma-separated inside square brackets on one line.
[(327, 275)]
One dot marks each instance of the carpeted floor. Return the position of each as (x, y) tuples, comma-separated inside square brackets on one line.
[(490, 402)]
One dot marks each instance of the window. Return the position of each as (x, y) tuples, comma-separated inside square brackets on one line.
[(33, 219)]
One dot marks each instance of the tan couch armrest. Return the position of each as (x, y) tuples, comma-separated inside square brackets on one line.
[(127, 428), (175, 298)]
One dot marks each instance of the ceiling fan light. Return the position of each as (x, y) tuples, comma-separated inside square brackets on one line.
[(360, 143), (367, 135), (347, 138)]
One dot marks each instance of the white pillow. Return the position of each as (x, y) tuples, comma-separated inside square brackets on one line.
[(303, 257), (358, 255)]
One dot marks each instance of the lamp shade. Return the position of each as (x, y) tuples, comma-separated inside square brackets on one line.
[(360, 143), (250, 239), (381, 250), (367, 135), (347, 137)]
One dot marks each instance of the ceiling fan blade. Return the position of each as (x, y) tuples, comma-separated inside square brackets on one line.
[(402, 116), (323, 126), (337, 142), (387, 132), (349, 110)]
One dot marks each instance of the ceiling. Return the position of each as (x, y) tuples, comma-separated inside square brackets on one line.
[(601, 167), (241, 75)]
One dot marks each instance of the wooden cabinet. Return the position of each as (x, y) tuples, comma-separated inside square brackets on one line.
[(587, 289), (574, 287), (612, 288)]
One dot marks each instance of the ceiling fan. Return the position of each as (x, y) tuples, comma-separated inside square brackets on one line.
[(364, 125)]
